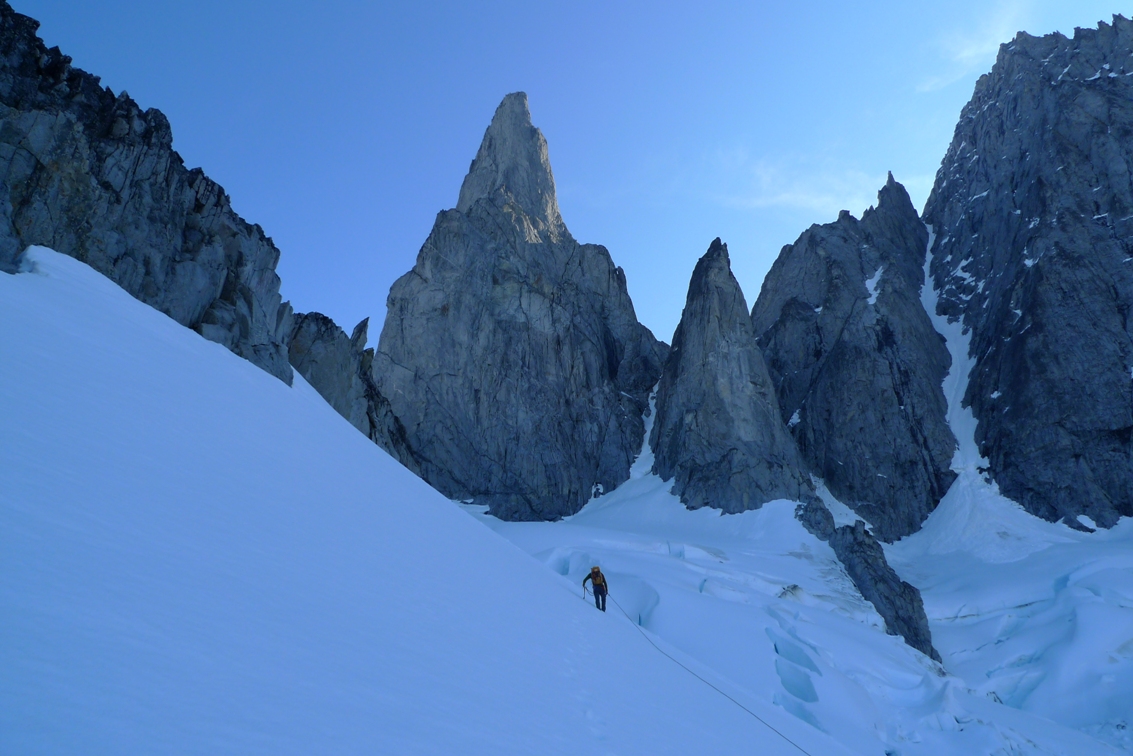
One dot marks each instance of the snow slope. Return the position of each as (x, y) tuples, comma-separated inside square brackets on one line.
[(196, 558), (1033, 613), (766, 605)]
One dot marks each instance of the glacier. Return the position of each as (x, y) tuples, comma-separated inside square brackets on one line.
[(198, 558)]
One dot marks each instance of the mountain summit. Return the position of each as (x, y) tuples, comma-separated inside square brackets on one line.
[(857, 365), (513, 168), (718, 433), (511, 353)]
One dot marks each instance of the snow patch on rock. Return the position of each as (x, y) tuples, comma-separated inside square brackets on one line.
[(871, 285)]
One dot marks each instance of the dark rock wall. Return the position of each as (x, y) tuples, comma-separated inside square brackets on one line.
[(515, 362), (329, 360), (898, 602), (718, 433), (858, 374), (93, 176), (511, 353), (1032, 213)]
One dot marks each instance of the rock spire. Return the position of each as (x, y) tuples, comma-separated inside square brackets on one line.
[(513, 168), (511, 353), (718, 433)]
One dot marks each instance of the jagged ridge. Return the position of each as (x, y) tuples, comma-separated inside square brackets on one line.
[(857, 365), (1033, 216), (340, 368), (91, 175)]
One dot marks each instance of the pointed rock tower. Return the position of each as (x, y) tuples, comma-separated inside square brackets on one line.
[(718, 433), (857, 364), (511, 353)]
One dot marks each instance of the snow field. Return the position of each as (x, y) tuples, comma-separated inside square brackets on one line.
[(197, 558), (766, 605), (1031, 613)]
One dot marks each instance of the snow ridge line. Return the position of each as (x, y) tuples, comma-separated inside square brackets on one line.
[(706, 682)]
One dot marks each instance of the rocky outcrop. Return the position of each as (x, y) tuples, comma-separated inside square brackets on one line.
[(511, 353), (718, 433), (1032, 214), (898, 603), (340, 368), (91, 175), (857, 365), (331, 362)]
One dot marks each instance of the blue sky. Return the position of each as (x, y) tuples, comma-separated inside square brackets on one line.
[(343, 127)]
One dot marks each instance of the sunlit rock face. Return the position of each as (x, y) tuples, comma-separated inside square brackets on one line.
[(1032, 215), (93, 176), (857, 365), (510, 352), (718, 433)]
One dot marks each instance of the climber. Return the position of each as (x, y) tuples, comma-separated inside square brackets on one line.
[(600, 587)]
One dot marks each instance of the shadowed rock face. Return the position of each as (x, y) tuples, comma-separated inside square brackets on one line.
[(857, 365), (899, 603), (92, 176), (1032, 213), (340, 368), (511, 353), (329, 360), (718, 433)]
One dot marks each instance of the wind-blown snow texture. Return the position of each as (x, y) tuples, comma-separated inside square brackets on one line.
[(197, 558), (1034, 614)]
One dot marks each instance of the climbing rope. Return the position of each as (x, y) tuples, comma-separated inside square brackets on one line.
[(698, 677)]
